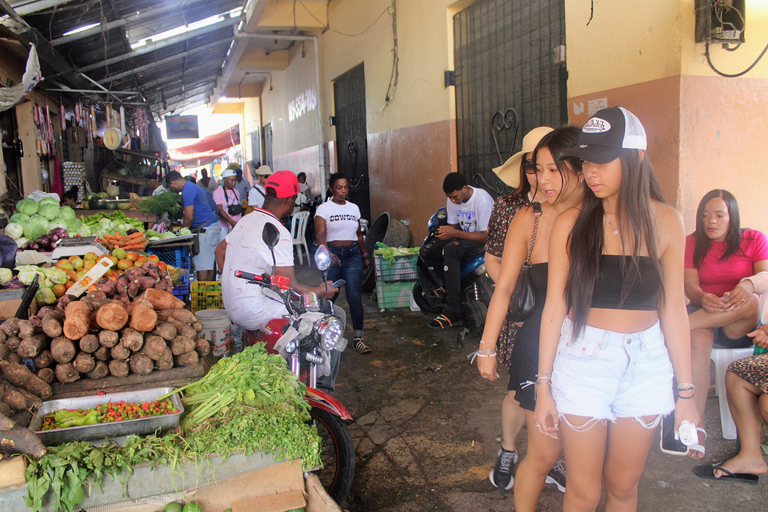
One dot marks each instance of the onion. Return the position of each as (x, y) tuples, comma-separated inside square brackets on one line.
[(35, 247)]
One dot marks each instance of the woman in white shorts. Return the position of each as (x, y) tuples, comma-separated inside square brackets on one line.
[(614, 325)]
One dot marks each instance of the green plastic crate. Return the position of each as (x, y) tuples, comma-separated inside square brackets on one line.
[(394, 295), (403, 268)]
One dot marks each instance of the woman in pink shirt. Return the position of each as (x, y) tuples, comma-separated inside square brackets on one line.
[(720, 258)]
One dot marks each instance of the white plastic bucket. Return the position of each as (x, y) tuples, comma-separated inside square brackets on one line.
[(215, 329)]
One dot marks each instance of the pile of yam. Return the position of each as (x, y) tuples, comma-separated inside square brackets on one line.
[(96, 337)]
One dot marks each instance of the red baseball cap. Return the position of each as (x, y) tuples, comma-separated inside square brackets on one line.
[(284, 183)]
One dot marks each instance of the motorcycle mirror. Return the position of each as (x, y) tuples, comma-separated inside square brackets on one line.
[(322, 258), (270, 235)]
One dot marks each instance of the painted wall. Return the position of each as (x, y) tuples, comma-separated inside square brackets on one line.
[(643, 56)]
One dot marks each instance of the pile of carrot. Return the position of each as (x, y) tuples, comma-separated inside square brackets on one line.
[(132, 242)]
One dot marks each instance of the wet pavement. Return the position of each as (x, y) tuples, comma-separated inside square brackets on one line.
[(427, 429)]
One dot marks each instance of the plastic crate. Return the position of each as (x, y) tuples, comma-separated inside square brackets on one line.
[(394, 295), (181, 290), (203, 298), (403, 268), (174, 256)]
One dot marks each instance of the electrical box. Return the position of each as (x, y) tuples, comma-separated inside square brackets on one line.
[(720, 21)]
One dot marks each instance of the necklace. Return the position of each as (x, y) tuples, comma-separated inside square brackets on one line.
[(615, 231)]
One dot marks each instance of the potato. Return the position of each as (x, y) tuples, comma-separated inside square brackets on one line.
[(118, 368), (84, 362), (63, 350), (164, 363), (89, 343), (108, 338), (141, 364), (4, 351), (162, 299), (183, 329), (143, 316), (184, 315), (66, 373)]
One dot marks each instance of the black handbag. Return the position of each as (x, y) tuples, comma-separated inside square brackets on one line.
[(523, 299), (233, 209)]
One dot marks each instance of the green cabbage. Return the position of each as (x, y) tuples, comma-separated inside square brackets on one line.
[(58, 223), (167, 235), (49, 211), (55, 275), (20, 218), (83, 230), (21, 241), (67, 213), (27, 206), (73, 225), (185, 231), (5, 275), (45, 296), (48, 200), (27, 273), (36, 227), (14, 230)]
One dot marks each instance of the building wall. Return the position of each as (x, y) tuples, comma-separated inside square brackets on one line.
[(699, 124)]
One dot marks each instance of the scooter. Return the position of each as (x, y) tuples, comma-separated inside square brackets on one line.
[(476, 285), (305, 340)]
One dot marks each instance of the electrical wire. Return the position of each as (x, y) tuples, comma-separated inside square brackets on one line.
[(735, 75), (395, 62), (328, 25)]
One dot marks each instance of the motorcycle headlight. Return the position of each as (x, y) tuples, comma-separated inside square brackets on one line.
[(329, 330)]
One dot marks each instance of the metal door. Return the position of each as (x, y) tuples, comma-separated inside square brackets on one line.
[(510, 77), (255, 146), (267, 131), (351, 135)]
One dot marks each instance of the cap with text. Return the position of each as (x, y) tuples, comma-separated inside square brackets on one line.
[(607, 134)]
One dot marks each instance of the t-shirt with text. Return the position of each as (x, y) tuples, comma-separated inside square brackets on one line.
[(472, 216)]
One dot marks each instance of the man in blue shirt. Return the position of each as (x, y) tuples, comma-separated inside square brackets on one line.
[(200, 217)]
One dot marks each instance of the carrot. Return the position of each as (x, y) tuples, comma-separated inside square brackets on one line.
[(133, 246), (137, 234)]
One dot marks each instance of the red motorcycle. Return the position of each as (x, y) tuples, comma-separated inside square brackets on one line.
[(305, 339)]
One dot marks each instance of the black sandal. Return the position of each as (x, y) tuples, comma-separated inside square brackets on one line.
[(361, 347)]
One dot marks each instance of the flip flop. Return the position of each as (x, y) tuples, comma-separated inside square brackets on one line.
[(708, 472), (443, 322)]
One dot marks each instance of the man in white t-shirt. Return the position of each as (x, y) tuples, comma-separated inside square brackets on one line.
[(257, 193), (251, 306), (469, 210)]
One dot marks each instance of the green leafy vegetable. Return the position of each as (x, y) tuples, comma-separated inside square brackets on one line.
[(166, 202)]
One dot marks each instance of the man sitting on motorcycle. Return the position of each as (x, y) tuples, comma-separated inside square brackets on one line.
[(249, 306), (469, 210)]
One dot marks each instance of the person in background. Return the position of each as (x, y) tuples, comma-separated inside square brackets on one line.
[(746, 382), (469, 210), (201, 218), (207, 182), (242, 186), (256, 194), (519, 171), (70, 197), (337, 225), (720, 259), (228, 202), (155, 185)]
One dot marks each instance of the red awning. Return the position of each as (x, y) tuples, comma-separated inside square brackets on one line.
[(211, 144), (197, 159)]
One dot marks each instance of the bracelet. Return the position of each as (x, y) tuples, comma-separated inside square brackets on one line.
[(543, 383), (685, 386), (685, 397), (486, 351), (544, 375), (365, 255), (493, 354)]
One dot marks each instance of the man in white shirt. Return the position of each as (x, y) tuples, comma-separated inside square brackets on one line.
[(257, 192), (156, 185), (469, 210)]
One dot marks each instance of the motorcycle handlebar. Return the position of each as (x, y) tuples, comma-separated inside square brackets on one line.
[(247, 275)]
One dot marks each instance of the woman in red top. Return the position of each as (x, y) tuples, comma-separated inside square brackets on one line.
[(720, 258)]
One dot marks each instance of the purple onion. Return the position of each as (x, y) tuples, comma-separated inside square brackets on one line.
[(55, 238), (13, 284), (35, 247)]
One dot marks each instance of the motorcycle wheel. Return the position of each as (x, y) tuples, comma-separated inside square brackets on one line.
[(423, 302), (337, 452)]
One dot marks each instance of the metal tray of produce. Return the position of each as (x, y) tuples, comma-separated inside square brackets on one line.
[(138, 426)]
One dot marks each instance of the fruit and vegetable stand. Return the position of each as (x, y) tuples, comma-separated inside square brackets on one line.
[(149, 218)]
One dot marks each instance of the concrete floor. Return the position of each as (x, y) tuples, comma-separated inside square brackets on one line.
[(427, 429)]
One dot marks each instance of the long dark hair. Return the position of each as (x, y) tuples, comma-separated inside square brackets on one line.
[(732, 236), (558, 141), (585, 245), (524, 187)]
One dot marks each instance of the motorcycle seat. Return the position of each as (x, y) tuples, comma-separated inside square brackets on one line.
[(472, 263)]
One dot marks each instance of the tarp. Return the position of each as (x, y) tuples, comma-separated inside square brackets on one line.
[(11, 96), (218, 142), (197, 159)]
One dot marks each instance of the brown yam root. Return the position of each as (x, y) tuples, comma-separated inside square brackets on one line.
[(102, 354), (202, 347), (132, 339), (26, 329), (108, 338), (120, 352), (183, 329), (99, 371), (143, 316), (118, 368), (112, 316), (4, 351), (165, 330), (32, 402), (182, 345), (12, 342), (84, 362), (154, 347), (161, 299), (164, 363), (141, 364), (20, 376), (77, 321), (43, 360), (15, 399), (6, 423), (47, 375), (63, 350), (89, 343), (184, 315), (187, 359), (10, 327), (31, 347), (66, 373), (21, 440)]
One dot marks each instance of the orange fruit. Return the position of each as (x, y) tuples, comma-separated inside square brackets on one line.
[(89, 264), (114, 259), (68, 284), (65, 265), (153, 257), (132, 256), (59, 289), (92, 288), (72, 275), (124, 264), (161, 265)]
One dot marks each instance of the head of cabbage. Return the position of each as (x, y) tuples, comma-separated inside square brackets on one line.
[(27, 207), (73, 225), (48, 200), (14, 230), (67, 213), (19, 218), (49, 211), (36, 227)]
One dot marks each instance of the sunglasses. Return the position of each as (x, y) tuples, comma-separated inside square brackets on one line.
[(529, 166)]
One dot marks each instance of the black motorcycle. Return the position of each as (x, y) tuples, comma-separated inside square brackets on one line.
[(476, 285)]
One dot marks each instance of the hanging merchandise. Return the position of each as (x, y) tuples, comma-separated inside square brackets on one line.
[(49, 124), (11, 96), (92, 132)]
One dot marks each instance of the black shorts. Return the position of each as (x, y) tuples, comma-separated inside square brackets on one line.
[(722, 340)]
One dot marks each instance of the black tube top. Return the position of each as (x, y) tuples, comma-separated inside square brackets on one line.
[(644, 294)]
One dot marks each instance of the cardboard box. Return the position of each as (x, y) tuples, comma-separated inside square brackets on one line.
[(12, 471), (10, 300)]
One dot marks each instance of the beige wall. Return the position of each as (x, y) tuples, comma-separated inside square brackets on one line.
[(702, 128)]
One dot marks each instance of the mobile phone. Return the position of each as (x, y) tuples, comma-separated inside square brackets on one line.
[(667, 442), (337, 284)]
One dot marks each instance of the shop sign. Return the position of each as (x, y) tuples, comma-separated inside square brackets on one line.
[(304, 102), (181, 127)]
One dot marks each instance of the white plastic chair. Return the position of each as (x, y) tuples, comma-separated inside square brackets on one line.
[(299, 234), (722, 357)]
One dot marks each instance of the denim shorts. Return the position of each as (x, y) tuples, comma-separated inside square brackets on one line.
[(607, 375)]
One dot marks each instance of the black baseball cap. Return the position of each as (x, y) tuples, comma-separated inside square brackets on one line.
[(607, 134)]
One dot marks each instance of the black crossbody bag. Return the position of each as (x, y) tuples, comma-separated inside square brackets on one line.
[(523, 299)]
